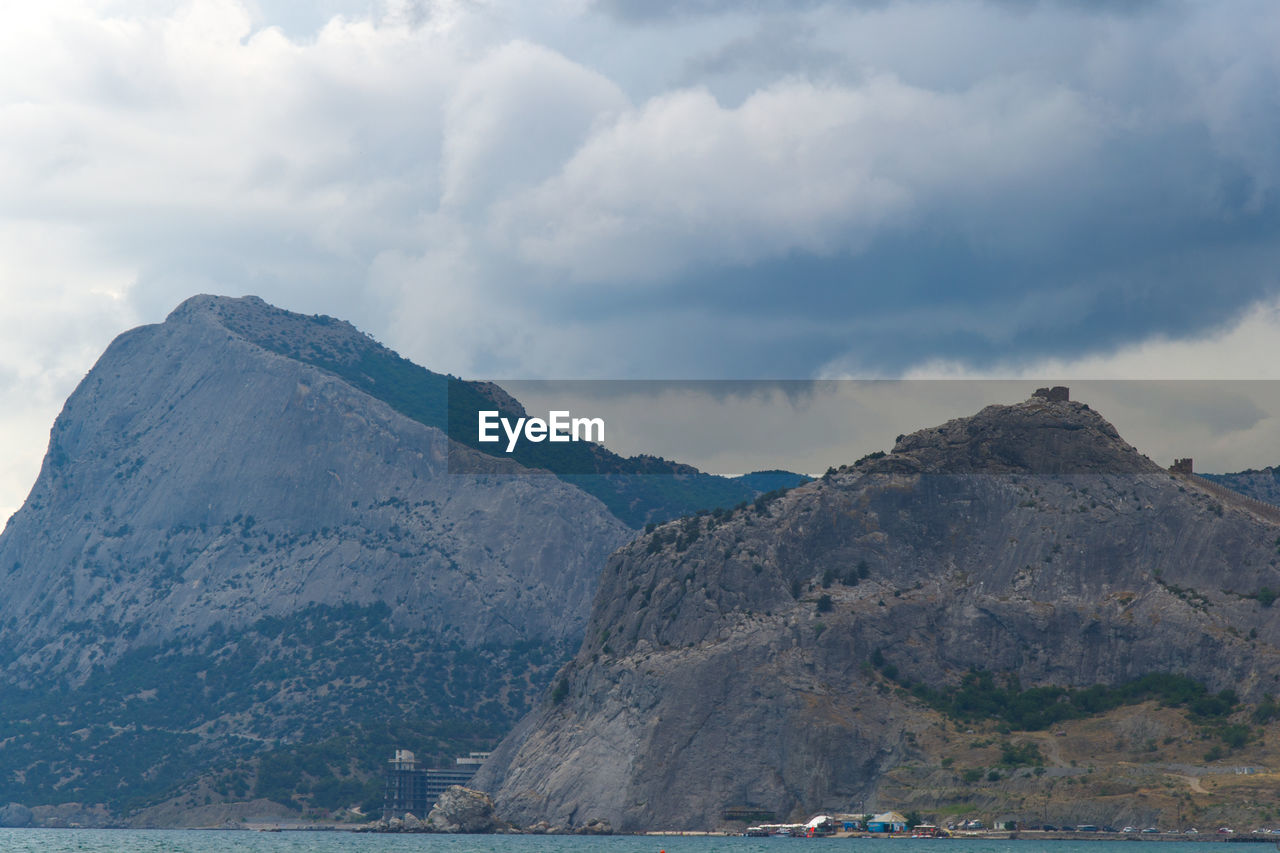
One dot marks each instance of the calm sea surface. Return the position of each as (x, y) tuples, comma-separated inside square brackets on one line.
[(188, 841)]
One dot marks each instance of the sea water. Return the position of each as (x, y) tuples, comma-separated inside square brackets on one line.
[(201, 841)]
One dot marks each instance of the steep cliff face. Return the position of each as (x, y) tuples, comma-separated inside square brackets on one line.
[(727, 661), (195, 478), (233, 549)]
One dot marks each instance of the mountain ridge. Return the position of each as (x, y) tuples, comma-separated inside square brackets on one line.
[(128, 455), (638, 490), (244, 574), (247, 563), (255, 562), (732, 659)]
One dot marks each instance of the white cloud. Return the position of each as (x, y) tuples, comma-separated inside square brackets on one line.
[(475, 182), (60, 310), (515, 117), (684, 181)]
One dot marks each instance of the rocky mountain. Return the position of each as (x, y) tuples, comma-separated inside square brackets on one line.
[(254, 551), (789, 657), (195, 479)]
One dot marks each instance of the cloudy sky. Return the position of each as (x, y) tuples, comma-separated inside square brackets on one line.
[(648, 189)]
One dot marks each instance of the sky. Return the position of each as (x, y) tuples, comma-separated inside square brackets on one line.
[(642, 189), (735, 426)]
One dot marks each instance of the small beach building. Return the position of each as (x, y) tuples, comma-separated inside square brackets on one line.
[(887, 822)]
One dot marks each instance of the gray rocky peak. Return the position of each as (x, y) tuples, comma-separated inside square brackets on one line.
[(1037, 436), (737, 659), (232, 549), (197, 477)]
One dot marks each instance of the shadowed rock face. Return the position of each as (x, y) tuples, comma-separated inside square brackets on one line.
[(197, 477), (1028, 539)]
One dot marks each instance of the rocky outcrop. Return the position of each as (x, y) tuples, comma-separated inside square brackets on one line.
[(595, 826), (195, 478), (462, 810), (731, 659), (238, 547)]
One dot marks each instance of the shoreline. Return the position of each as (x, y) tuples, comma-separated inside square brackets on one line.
[(963, 835)]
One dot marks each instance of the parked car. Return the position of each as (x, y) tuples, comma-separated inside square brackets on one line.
[(1150, 829), (1130, 829)]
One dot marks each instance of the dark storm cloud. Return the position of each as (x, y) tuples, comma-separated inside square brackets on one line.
[(1123, 189), (649, 189)]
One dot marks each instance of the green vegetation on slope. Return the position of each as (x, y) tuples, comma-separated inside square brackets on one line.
[(330, 690), (979, 697)]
